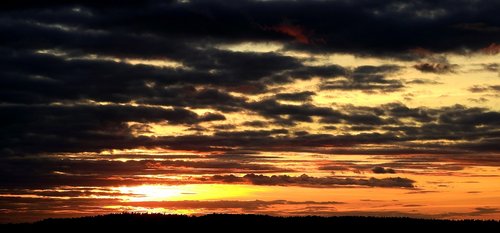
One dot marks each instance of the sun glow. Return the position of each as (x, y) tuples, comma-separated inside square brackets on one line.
[(186, 192)]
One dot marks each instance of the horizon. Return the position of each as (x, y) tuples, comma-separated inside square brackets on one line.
[(132, 222), (277, 107), (166, 218)]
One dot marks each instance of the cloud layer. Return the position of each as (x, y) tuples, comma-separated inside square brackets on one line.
[(262, 93)]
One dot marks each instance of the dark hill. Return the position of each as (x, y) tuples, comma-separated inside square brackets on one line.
[(241, 223)]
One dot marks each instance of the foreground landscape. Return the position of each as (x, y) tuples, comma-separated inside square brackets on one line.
[(231, 222)]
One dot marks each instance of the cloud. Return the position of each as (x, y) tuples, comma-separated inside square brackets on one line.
[(189, 96), (381, 170), (298, 96), (271, 108), (38, 208), (480, 27), (451, 123), (309, 181), (212, 117), (297, 32), (251, 133), (225, 205), (227, 23), (255, 124), (422, 81), (484, 211), (479, 100), (366, 78), (77, 128), (334, 168), (271, 141), (484, 88), (492, 67), (438, 68), (492, 49), (52, 172)]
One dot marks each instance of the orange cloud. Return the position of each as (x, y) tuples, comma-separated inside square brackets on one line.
[(296, 32), (492, 49)]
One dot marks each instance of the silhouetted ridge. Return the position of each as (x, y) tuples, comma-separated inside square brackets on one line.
[(129, 222)]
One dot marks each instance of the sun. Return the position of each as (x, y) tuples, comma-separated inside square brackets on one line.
[(143, 193), (149, 192)]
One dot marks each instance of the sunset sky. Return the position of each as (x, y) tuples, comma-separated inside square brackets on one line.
[(334, 107)]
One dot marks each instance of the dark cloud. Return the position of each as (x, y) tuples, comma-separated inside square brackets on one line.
[(298, 96), (189, 96), (212, 117), (416, 164), (51, 172), (480, 27), (362, 128), (256, 124), (272, 140), (251, 133), (364, 119), (47, 129), (288, 114), (484, 88), (433, 24), (211, 205), (38, 208), (452, 123), (492, 67), (273, 109), (50, 78), (484, 211), (423, 81), (476, 125), (398, 111), (478, 100), (334, 168), (382, 170), (325, 72), (77, 128), (366, 78), (459, 115), (438, 68), (309, 181), (224, 127)]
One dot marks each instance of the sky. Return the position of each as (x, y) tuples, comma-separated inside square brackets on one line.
[(331, 108)]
